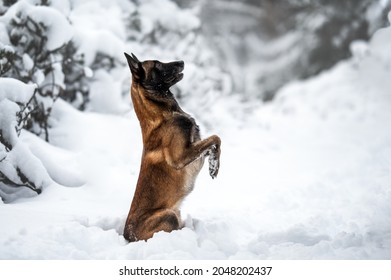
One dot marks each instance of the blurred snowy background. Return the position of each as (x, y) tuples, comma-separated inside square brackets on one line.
[(298, 90)]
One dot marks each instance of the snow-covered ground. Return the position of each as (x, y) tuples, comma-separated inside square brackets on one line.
[(306, 176)]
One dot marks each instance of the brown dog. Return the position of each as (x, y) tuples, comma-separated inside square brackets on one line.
[(173, 151)]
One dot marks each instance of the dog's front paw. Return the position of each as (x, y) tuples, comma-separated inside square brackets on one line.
[(214, 161)]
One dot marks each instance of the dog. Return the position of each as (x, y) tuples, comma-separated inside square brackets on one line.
[(173, 152)]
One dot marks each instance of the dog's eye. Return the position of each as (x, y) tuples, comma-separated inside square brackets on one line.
[(155, 74)]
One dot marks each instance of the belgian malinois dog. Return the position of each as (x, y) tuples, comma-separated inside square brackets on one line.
[(173, 152)]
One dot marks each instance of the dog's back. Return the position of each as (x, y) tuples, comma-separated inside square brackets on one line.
[(173, 151)]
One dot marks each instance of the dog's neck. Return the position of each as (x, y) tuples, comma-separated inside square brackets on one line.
[(153, 108)]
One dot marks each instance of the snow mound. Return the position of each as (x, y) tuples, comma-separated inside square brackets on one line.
[(306, 176), (59, 163)]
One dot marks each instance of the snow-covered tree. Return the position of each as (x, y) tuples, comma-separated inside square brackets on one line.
[(35, 48), (21, 173), (32, 40)]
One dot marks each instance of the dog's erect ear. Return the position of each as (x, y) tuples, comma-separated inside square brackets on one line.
[(135, 66), (135, 58)]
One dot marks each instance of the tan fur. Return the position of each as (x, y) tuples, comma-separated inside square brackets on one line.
[(173, 152)]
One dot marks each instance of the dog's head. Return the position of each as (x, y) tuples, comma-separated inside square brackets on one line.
[(155, 75)]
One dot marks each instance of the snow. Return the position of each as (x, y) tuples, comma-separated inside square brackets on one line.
[(92, 42), (65, 174), (8, 111), (106, 93), (101, 28), (306, 176), (27, 62), (28, 163), (58, 29), (4, 39), (15, 90), (168, 15), (15, 157), (101, 15)]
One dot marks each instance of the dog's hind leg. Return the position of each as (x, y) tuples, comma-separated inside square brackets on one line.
[(164, 220)]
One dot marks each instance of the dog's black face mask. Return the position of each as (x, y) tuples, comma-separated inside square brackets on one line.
[(161, 76), (155, 75)]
